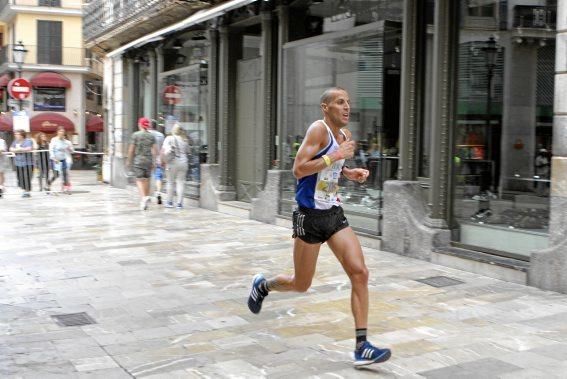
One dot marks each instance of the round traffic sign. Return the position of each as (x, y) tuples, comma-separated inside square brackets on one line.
[(171, 95), (19, 88)]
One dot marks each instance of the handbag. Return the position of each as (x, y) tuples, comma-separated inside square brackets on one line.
[(172, 153)]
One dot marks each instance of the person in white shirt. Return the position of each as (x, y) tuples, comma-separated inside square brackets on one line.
[(60, 150), (175, 153)]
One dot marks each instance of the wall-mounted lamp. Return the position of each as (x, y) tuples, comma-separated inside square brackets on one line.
[(177, 44)]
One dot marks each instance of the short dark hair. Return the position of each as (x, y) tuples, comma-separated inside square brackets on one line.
[(20, 131), (327, 95)]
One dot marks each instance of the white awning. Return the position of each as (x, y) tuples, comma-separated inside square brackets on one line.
[(198, 17)]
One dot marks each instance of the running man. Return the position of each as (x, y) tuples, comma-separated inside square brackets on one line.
[(142, 155), (320, 218)]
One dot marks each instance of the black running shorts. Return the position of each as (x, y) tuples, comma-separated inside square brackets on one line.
[(318, 225)]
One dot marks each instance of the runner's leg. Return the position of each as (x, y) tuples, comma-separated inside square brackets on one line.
[(305, 261), (346, 247)]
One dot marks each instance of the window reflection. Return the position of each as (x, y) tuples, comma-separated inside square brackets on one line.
[(366, 62), (504, 123)]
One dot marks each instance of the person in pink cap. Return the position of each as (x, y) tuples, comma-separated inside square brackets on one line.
[(142, 157)]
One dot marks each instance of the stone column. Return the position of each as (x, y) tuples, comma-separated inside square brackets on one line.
[(412, 64), (131, 103), (548, 268), (153, 84), (212, 117), (226, 114), (283, 37), (267, 89), (444, 94), (410, 226), (159, 70)]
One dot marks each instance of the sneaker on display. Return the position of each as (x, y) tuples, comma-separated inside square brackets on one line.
[(368, 354)]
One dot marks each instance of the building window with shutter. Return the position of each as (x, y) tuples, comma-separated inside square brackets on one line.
[(49, 42), (50, 3)]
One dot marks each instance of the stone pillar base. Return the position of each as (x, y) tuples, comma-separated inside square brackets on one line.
[(210, 193), (406, 228), (265, 206), (119, 169)]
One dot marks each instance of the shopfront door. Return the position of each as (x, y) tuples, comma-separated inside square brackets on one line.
[(249, 130)]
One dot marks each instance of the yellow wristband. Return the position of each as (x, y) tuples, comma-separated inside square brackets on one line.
[(327, 160)]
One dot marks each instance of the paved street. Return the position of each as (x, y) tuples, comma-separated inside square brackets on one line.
[(166, 293)]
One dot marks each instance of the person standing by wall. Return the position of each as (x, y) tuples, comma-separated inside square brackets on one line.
[(23, 160), (141, 156), (43, 163), (60, 150), (175, 156)]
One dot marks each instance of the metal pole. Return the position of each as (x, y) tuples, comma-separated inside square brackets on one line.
[(489, 149), (20, 101)]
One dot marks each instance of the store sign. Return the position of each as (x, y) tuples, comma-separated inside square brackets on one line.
[(171, 95), (342, 21), (19, 88)]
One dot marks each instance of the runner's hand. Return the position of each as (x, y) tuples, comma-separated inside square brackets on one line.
[(346, 149), (357, 174)]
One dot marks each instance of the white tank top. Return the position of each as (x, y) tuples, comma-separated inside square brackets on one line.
[(327, 187)]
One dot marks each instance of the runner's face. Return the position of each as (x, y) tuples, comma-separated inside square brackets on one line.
[(338, 109)]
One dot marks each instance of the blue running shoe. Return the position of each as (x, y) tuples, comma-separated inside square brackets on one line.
[(257, 294), (369, 354)]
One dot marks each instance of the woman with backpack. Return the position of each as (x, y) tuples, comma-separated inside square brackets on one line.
[(175, 152)]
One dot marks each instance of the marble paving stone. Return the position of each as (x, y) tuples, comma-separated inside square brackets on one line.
[(94, 363), (168, 291)]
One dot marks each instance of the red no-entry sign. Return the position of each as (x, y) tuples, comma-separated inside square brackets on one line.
[(19, 88), (171, 95)]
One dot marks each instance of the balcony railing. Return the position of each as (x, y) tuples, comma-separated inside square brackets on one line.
[(66, 4), (67, 56), (103, 16), (535, 17)]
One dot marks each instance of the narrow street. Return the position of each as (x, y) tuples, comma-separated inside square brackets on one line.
[(164, 293)]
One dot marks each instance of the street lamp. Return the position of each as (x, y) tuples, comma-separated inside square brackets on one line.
[(19, 52), (490, 51)]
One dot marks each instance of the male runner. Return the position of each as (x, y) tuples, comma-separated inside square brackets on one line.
[(320, 218)]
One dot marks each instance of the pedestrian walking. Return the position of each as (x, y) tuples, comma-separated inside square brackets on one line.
[(60, 150), (318, 165), (141, 157), (4, 164), (23, 160), (158, 171), (175, 155), (42, 161)]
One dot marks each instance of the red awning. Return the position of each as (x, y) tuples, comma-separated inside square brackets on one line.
[(5, 123), (50, 79), (48, 122), (95, 124), (4, 79)]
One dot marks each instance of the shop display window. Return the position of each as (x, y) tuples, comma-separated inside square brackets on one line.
[(503, 131), (365, 61)]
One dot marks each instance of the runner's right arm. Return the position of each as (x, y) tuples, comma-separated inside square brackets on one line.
[(316, 138)]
